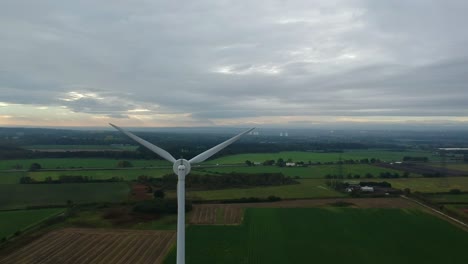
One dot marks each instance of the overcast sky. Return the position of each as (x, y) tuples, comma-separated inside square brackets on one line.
[(204, 63)]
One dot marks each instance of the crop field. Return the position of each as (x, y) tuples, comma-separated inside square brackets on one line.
[(306, 189), (431, 185), (95, 246), (13, 221), (316, 171), (383, 155), (20, 196), (66, 163), (328, 235)]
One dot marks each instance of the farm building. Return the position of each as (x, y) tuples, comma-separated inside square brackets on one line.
[(367, 189)]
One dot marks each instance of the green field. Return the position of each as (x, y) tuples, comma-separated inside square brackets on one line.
[(322, 157), (431, 185), (12, 221), (334, 235), (13, 196), (306, 189), (316, 171), (66, 163)]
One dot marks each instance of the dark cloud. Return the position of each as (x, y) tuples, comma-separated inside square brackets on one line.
[(215, 60)]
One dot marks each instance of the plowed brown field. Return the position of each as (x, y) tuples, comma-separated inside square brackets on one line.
[(211, 214), (75, 246)]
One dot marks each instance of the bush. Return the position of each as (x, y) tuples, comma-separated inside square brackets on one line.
[(160, 206), (159, 194), (124, 164), (273, 198), (35, 166), (341, 204), (455, 191)]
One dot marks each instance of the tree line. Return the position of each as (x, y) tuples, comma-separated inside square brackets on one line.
[(383, 175), (227, 180)]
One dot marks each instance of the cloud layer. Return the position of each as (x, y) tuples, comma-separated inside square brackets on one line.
[(232, 62)]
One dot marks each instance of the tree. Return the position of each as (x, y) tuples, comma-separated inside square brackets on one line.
[(35, 166), (26, 180), (124, 164), (159, 194), (280, 162), (248, 163)]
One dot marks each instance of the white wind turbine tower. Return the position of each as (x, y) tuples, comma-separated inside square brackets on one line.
[(181, 167)]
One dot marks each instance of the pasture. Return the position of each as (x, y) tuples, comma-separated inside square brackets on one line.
[(383, 155), (306, 189), (328, 235), (95, 246), (13, 221), (18, 196)]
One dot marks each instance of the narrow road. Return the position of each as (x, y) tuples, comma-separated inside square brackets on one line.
[(436, 211)]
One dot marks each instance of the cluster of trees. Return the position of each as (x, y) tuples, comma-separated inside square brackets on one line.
[(160, 206), (270, 198), (437, 174), (415, 159), (228, 180), (383, 175), (124, 164), (67, 179)]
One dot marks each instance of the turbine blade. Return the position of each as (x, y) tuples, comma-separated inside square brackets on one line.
[(161, 152), (205, 155)]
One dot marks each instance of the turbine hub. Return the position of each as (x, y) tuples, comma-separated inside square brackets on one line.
[(184, 163)]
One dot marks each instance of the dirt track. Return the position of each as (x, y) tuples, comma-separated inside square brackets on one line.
[(76, 246)]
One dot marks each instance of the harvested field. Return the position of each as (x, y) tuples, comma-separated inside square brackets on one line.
[(95, 246), (233, 214), (211, 214)]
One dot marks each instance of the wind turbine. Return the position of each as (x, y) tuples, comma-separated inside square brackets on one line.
[(182, 167)]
